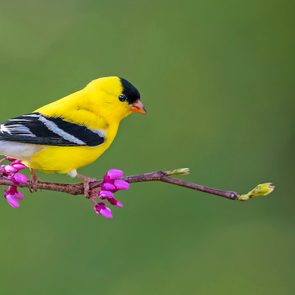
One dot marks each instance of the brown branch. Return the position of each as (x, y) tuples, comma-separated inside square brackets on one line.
[(161, 176)]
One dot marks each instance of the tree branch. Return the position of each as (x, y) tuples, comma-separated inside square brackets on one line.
[(161, 176)]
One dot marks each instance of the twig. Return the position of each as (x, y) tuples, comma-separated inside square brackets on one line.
[(161, 176)]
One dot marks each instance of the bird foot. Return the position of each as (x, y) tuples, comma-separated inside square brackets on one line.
[(34, 182), (86, 182)]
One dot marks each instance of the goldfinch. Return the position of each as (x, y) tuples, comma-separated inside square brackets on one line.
[(71, 132)]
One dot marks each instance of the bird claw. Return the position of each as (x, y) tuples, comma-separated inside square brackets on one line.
[(86, 183), (87, 190), (33, 188)]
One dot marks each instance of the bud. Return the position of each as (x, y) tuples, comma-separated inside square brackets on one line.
[(180, 171), (11, 200), (19, 178), (108, 187), (105, 195), (121, 184), (19, 196), (114, 202), (261, 190), (115, 174), (10, 169), (101, 209), (19, 166)]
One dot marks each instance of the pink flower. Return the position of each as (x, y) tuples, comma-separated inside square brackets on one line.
[(114, 174), (11, 172), (19, 196), (19, 166), (19, 178), (114, 202), (105, 195), (108, 186), (10, 169), (11, 200), (101, 209), (13, 196), (121, 184)]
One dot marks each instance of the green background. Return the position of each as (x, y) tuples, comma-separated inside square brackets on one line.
[(218, 80)]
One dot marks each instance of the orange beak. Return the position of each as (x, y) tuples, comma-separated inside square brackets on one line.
[(138, 107)]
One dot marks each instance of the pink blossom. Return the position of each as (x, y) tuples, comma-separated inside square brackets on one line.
[(107, 186), (10, 169), (101, 209), (19, 196), (114, 174), (110, 185), (19, 166), (105, 195), (121, 184), (19, 178), (114, 202), (10, 172), (11, 200)]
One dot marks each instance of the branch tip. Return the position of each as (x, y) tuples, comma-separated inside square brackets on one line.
[(261, 190)]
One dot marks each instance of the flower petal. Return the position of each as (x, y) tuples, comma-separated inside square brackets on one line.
[(107, 213), (101, 209), (115, 174), (19, 166), (119, 204), (105, 194), (19, 178), (108, 187), (10, 169), (114, 202), (11, 200), (19, 196), (121, 184)]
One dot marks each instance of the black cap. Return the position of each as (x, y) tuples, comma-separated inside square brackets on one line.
[(130, 91)]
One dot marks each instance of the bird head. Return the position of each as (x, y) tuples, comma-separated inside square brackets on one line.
[(115, 97)]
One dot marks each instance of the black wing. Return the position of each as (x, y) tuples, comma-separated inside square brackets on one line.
[(38, 129)]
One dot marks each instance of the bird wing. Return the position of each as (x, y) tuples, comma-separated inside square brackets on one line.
[(36, 128)]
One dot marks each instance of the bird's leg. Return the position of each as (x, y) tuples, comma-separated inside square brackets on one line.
[(34, 181), (86, 182)]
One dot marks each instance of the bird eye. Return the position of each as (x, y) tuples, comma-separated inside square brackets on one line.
[(122, 97)]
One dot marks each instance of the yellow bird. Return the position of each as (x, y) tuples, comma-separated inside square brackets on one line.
[(71, 132)]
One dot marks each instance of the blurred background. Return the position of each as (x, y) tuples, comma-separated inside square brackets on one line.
[(218, 81)]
